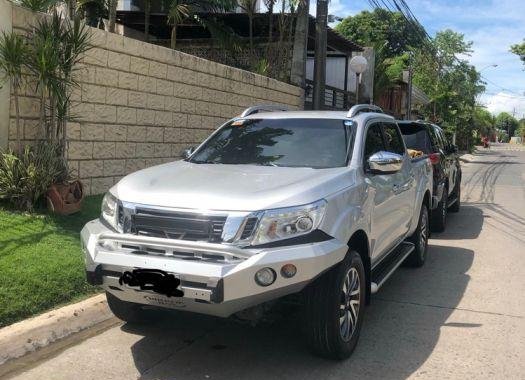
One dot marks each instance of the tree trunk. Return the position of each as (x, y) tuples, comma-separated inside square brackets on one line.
[(17, 120), (174, 35), (250, 18), (112, 15), (298, 70), (72, 8), (147, 13), (43, 113), (270, 22)]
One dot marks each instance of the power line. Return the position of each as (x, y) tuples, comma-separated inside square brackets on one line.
[(497, 85)]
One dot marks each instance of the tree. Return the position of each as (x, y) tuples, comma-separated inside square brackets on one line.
[(391, 36), (13, 56), (270, 4), (249, 7), (180, 10), (381, 27), (112, 15), (484, 121), (507, 122), (519, 49)]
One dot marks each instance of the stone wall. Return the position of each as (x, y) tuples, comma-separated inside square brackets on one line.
[(140, 104)]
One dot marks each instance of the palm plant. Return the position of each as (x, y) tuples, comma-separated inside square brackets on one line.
[(93, 11), (13, 55), (180, 10), (39, 5), (56, 46)]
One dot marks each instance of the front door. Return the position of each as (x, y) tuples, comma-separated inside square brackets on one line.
[(384, 214)]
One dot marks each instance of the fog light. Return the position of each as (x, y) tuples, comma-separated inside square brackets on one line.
[(288, 270), (265, 276)]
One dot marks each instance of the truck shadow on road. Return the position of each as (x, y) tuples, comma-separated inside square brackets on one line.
[(401, 330)]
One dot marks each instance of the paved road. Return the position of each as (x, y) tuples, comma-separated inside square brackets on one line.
[(460, 316)]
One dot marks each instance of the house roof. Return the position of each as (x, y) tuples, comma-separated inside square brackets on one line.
[(237, 22)]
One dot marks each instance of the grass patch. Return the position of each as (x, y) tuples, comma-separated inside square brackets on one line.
[(41, 264)]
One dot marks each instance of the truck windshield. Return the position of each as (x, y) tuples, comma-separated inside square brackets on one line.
[(314, 143)]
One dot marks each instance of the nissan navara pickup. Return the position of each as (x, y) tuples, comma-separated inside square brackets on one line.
[(321, 204)]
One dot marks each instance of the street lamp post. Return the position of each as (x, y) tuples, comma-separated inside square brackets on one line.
[(358, 65)]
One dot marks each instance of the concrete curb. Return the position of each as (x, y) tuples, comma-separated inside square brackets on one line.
[(30, 340)]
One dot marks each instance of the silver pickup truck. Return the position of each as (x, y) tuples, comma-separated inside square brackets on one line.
[(322, 204)]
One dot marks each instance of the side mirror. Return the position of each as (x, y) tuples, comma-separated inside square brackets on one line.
[(188, 152), (385, 163)]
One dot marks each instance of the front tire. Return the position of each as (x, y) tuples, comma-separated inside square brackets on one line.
[(420, 240), (335, 309), (126, 311)]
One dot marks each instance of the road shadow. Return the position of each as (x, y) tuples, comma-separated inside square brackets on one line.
[(465, 224), (402, 326)]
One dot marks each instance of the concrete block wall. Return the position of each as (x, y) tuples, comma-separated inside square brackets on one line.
[(140, 105)]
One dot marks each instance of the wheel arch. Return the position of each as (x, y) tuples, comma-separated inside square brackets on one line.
[(360, 243)]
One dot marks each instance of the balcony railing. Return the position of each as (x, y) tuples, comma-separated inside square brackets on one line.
[(334, 98)]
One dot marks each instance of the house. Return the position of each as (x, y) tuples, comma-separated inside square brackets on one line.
[(194, 39)]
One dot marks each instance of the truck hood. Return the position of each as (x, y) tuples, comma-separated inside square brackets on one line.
[(181, 184)]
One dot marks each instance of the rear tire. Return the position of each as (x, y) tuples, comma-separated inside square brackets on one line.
[(335, 309), (126, 311), (420, 240), (438, 219)]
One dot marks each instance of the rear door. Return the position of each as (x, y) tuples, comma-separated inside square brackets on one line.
[(450, 161)]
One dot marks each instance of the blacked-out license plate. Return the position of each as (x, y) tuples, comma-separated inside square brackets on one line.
[(155, 280)]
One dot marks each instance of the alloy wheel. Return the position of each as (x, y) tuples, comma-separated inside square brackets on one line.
[(349, 306)]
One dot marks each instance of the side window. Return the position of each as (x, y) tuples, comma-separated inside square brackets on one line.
[(394, 141), (444, 139), (374, 141)]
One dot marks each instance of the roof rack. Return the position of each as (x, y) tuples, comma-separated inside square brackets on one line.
[(359, 108), (267, 107)]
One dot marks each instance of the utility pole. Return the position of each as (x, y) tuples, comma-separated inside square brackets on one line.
[(321, 23), (409, 92)]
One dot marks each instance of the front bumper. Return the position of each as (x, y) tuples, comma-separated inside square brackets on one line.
[(210, 286)]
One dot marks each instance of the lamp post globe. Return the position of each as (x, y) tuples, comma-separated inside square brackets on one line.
[(358, 64)]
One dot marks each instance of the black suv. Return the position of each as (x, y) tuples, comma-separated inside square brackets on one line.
[(431, 140)]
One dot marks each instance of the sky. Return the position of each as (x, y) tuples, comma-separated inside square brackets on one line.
[(492, 26)]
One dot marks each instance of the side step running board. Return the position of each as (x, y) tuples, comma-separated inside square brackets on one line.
[(386, 268)]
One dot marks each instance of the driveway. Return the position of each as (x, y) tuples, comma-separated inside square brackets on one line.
[(460, 316)]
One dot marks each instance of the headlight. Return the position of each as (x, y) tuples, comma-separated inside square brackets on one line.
[(109, 209), (285, 223)]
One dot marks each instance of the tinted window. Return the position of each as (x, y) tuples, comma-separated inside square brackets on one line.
[(316, 143), (416, 137), (374, 141), (394, 142), (436, 140)]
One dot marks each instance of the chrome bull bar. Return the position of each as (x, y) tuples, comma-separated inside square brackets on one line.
[(172, 246)]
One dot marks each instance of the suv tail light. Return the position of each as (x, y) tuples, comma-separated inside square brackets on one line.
[(434, 158)]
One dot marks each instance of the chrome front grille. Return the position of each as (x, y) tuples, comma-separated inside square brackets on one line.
[(177, 225)]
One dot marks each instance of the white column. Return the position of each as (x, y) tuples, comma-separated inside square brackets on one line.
[(6, 24)]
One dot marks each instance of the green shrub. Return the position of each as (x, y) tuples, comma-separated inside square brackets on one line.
[(25, 178)]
